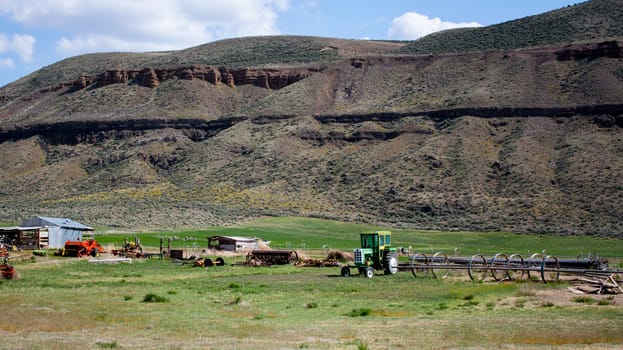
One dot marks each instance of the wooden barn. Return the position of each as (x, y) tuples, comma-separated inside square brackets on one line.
[(20, 237), (232, 243)]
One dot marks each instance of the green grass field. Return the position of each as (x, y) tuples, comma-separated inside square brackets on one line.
[(61, 303), (317, 234)]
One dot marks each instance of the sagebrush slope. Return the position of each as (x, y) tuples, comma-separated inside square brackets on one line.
[(524, 140), (596, 20)]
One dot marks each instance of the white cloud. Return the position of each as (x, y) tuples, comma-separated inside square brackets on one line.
[(21, 45), (100, 43), (145, 25), (412, 25), (6, 63), (24, 45)]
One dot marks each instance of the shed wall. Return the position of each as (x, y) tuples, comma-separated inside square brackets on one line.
[(58, 236)]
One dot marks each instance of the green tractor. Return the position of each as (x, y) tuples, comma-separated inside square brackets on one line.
[(375, 253)]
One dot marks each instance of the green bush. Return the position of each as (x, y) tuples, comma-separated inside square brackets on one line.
[(360, 312), (547, 304), (154, 298), (584, 300), (108, 345), (311, 305)]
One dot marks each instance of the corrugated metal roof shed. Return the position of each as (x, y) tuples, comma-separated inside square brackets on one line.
[(45, 221), (60, 230)]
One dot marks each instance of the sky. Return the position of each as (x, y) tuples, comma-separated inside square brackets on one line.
[(37, 33)]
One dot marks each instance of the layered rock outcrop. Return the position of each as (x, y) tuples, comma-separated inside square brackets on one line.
[(610, 49), (75, 132), (149, 77)]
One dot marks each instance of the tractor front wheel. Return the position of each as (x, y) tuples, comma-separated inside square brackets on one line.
[(369, 272)]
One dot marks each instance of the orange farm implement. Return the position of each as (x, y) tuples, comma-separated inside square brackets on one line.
[(82, 248)]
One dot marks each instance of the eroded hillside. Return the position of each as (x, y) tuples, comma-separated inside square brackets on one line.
[(525, 140)]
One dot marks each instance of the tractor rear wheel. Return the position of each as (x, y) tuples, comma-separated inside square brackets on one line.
[(391, 263), (369, 272)]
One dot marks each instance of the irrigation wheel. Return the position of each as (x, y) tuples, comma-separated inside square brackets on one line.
[(550, 269), (415, 261), (515, 266), (439, 258), (534, 265), (477, 267), (499, 260)]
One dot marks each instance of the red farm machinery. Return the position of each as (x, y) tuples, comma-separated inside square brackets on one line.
[(8, 271), (82, 248)]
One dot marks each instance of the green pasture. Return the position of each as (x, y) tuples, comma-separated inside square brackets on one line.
[(318, 234), (63, 303)]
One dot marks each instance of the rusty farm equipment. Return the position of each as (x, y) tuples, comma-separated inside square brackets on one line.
[(8, 271), (268, 257), (7, 244), (82, 248), (180, 256), (130, 249), (207, 262), (500, 267)]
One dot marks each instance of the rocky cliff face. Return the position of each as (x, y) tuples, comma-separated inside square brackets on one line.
[(591, 51), (76, 132), (274, 79)]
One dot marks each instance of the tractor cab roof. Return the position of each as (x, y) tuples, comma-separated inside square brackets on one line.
[(376, 232)]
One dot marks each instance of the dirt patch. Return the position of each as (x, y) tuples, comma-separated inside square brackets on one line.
[(533, 295)]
